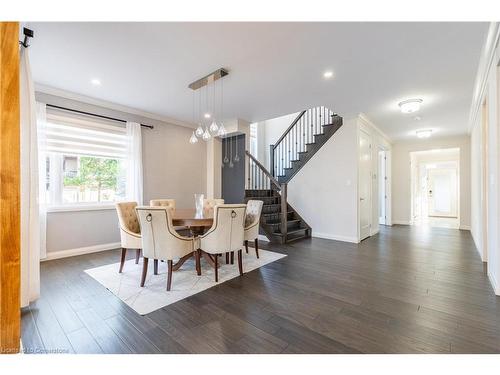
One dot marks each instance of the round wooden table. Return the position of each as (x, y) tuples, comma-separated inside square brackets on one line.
[(186, 217)]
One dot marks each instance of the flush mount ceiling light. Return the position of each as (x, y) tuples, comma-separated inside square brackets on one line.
[(410, 105), (207, 115), (95, 82), (328, 74), (425, 133)]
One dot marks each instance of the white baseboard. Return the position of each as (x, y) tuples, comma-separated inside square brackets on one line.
[(494, 285), (335, 237), (80, 251), (464, 227), (400, 222)]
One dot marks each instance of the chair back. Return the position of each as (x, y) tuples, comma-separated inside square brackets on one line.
[(159, 238), (226, 233), (168, 203), (209, 204), (128, 217), (254, 209)]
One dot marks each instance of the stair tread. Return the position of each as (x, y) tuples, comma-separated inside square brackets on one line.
[(291, 231)]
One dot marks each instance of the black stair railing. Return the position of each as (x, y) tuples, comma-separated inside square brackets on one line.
[(295, 139), (259, 178)]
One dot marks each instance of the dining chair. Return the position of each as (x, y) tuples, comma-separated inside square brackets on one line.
[(252, 221), (225, 235), (160, 241), (168, 203), (210, 203), (130, 232)]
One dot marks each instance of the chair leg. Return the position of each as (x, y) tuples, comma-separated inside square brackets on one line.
[(216, 260), (246, 245), (144, 271), (257, 247), (137, 256), (197, 254), (240, 262), (232, 257), (227, 258), (156, 266), (122, 260), (169, 276)]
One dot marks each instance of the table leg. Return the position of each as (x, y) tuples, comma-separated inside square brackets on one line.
[(181, 261), (208, 258)]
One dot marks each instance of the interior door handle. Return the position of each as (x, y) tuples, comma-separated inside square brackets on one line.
[(361, 199)]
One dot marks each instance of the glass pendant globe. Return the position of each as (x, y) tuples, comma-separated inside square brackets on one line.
[(206, 136), (193, 139), (222, 131), (199, 131), (214, 127)]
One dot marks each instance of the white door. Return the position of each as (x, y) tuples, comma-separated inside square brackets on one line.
[(382, 180), (365, 181), (442, 194)]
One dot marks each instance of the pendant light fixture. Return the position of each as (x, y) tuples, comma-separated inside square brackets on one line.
[(226, 160), (231, 165), (236, 157), (209, 122)]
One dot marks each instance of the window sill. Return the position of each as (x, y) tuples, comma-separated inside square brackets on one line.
[(88, 207)]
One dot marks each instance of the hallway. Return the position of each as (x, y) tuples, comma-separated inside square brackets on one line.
[(407, 289)]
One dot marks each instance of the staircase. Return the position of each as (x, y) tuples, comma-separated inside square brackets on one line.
[(280, 222)]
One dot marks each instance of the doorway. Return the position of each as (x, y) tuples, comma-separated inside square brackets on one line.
[(365, 190), (382, 187), (435, 188)]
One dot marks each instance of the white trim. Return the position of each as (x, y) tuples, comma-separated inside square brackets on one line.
[(108, 105), (494, 285), (464, 227), (487, 60), (401, 222), (335, 237), (74, 208), (374, 232), (367, 122), (81, 250)]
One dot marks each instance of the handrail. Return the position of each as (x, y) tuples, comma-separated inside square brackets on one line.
[(289, 128), (263, 169)]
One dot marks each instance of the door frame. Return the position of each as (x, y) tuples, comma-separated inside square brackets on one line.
[(369, 136)]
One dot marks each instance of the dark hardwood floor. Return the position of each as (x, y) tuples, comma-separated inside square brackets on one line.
[(405, 290)]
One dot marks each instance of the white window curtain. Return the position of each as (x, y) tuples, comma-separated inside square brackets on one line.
[(134, 163), (32, 215)]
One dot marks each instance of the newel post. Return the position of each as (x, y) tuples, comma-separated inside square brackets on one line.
[(271, 160), (284, 209)]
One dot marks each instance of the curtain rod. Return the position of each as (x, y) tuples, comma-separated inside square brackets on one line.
[(93, 114)]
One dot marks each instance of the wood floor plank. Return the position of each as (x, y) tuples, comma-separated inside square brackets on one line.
[(404, 290)]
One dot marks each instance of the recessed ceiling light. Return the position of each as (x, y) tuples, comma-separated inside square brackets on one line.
[(206, 115), (410, 105), (425, 133), (328, 74), (95, 82)]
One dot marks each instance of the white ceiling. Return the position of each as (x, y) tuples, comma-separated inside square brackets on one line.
[(275, 68)]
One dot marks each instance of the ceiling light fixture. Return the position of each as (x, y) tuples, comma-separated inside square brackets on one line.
[(328, 74), (95, 82), (209, 121), (425, 133), (410, 105)]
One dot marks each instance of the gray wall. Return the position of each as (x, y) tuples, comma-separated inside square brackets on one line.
[(172, 169)]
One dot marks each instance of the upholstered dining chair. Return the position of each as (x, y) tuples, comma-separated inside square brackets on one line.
[(209, 204), (130, 232), (160, 241), (225, 235), (252, 221), (168, 203)]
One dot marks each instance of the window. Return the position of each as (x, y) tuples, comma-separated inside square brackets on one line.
[(85, 159)]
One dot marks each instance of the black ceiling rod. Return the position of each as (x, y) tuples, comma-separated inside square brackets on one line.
[(28, 33)]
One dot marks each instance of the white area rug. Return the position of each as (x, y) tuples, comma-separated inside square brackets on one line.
[(185, 282)]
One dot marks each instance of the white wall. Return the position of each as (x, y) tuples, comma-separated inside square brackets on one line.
[(172, 168), (401, 180), (324, 191), (476, 188)]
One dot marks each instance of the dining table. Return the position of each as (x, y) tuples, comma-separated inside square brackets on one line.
[(198, 224)]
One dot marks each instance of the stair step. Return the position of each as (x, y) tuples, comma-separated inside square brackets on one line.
[(291, 232)]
